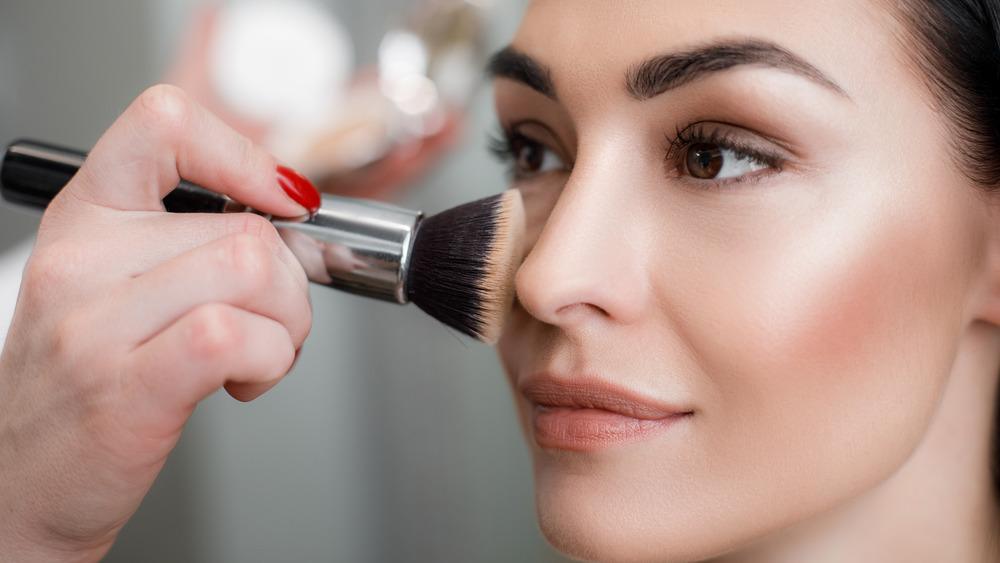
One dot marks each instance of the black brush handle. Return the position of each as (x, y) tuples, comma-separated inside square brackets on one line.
[(32, 173)]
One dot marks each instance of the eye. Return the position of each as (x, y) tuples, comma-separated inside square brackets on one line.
[(526, 157), (532, 158), (732, 155), (708, 161)]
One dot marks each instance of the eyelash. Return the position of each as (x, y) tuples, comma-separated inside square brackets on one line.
[(684, 137), (500, 143), (504, 145)]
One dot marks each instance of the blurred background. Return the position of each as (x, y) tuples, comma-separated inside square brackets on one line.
[(394, 438)]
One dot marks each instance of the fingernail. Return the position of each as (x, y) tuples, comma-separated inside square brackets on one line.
[(299, 188)]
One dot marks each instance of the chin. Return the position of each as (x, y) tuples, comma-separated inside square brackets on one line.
[(603, 539), (614, 521)]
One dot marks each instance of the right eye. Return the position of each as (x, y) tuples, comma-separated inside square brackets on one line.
[(532, 158), (525, 156)]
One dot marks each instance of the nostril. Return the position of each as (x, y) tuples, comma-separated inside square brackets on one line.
[(555, 292), (582, 309)]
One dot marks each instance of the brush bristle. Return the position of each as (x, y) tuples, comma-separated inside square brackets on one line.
[(463, 263)]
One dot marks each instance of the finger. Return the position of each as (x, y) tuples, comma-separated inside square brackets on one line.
[(248, 391), (238, 270), (165, 136), (160, 237), (205, 349), (243, 391)]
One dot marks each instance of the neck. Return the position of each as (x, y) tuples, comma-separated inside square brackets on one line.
[(940, 505)]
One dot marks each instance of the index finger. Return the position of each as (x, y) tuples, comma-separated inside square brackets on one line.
[(165, 136)]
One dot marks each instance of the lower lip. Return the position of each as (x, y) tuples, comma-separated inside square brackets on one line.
[(583, 429)]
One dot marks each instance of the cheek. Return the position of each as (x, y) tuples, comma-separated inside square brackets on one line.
[(833, 339), (512, 345)]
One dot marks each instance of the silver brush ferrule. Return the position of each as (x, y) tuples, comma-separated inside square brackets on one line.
[(355, 245)]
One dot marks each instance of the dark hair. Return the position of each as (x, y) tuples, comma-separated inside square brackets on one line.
[(957, 48)]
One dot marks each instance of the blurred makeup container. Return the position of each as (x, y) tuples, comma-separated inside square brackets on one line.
[(290, 65)]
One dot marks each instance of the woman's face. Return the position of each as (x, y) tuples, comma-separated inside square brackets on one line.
[(753, 260)]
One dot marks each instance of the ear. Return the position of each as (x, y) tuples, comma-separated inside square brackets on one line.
[(985, 297)]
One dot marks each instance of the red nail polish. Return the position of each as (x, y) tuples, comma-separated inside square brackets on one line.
[(299, 188)]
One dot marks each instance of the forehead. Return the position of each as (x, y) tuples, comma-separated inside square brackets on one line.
[(588, 44)]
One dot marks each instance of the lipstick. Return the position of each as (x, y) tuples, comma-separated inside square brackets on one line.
[(589, 414)]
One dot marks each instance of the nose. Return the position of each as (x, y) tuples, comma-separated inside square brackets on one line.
[(588, 264)]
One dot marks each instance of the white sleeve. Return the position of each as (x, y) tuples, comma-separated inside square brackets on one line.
[(11, 267)]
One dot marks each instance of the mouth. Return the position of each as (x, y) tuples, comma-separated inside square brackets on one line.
[(586, 414)]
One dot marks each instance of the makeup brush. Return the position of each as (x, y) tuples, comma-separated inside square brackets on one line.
[(458, 265)]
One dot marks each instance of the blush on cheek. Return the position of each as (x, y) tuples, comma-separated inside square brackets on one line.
[(833, 352)]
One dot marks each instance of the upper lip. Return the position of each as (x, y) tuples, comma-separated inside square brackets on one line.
[(548, 390)]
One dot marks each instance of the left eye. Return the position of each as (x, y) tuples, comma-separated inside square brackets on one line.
[(711, 161)]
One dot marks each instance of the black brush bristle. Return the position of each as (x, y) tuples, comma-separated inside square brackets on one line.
[(462, 263)]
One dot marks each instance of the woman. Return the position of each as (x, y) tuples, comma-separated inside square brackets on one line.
[(758, 321)]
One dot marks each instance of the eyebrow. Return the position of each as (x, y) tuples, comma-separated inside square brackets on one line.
[(664, 72), (515, 65)]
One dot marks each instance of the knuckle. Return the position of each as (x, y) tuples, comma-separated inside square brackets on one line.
[(214, 332), (253, 224), (165, 108), (249, 258), (51, 269)]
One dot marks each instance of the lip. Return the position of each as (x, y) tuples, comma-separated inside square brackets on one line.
[(589, 414)]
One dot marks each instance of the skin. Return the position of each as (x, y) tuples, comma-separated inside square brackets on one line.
[(129, 316), (827, 323)]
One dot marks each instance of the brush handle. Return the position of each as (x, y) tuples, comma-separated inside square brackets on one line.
[(32, 173), (355, 245)]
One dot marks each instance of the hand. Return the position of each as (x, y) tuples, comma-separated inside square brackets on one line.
[(129, 316)]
